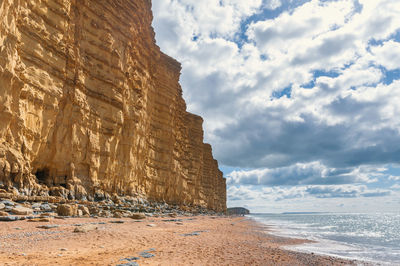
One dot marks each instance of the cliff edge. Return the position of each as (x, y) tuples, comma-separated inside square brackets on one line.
[(90, 107)]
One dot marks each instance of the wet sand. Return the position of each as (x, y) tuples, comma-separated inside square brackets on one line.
[(200, 240)]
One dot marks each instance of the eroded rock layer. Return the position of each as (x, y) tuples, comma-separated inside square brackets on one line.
[(89, 107)]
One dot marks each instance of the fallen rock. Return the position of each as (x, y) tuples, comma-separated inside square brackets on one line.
[(67, 210), (138, 216), (45, 207), (19, 210), (48, 214), (85, 228), (9, 218), (8, 203), (84, 209), (39, 220)]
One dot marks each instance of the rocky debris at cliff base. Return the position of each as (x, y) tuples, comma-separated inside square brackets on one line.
[(19, 210), (40, 209), (67, 210)]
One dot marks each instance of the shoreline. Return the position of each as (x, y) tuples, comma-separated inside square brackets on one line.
[(197, 240), (296, 247)]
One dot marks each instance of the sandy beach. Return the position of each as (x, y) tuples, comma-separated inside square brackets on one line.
[(199, 240)]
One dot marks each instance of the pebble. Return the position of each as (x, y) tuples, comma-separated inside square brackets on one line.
[(146, 255), (130, 258), (64, 249), (191, 234), (131, 263), (116, 222), (48, 226), (151, 225), (172, 220)]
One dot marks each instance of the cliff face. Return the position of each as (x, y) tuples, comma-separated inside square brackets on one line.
[(89, 106)]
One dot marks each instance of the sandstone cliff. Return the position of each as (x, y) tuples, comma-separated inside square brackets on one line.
[(90, 107)]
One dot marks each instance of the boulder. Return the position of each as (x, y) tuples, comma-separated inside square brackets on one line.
[(84, 209), (67, 210), (138, 216), (19, 210), (3, 213), (85, 228)]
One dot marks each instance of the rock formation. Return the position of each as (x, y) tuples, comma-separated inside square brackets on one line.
[(237, 211), (90, 107)]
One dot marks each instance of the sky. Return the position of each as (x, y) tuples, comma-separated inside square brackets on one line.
[(300, 98)]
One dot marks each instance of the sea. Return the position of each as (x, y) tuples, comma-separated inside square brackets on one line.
[(373, 238)]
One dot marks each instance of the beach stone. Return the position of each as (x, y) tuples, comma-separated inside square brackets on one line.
[(85, 228), (146, 255), (40, 219), (67, 210), (138, 216), (131, 263), (84, 209), (8, 203), (9, 218), (19, 210), (130, 258), (191, 234), (117, 215), (36, 205), (49, 226), (3, 213), (48, 214), (173, 215), (116, 222), (45, 207)]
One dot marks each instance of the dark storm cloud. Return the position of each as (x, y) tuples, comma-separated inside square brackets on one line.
[(263, 140)]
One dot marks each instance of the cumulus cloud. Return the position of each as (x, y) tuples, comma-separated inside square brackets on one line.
[(307, 96), (279, 193)]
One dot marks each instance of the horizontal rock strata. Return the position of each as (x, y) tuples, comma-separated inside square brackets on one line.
[(90, 107)]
